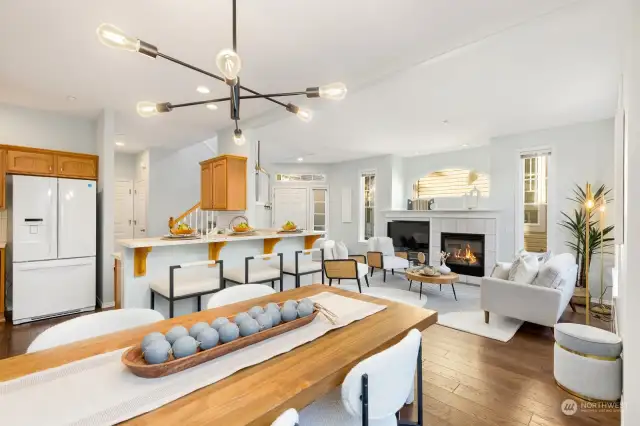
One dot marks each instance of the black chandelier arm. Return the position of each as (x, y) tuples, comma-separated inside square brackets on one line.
[(184, 64), (210, 101), (273, 95), (235, 33)]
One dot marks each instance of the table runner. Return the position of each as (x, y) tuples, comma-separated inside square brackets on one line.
[(100, 390)]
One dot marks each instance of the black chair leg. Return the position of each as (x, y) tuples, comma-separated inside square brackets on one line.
[(372, 272), (330, 281), (410, 282), (366, 279), (454, 292), (420, 290), (359, 288), (365, 400), (199, 303), (392, 272), (440, 287), (384, 275), (338, 280), (273, 285), (298, 281), (153, 300)]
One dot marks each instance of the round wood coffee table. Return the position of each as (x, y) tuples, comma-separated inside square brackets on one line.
[(450, 278)]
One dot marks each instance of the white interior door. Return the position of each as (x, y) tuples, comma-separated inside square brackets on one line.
[(123, 210), (291, 204), (140, 209)]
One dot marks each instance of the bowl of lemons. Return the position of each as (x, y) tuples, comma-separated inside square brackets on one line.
[(242, 228), (289, 226), (182, 229)]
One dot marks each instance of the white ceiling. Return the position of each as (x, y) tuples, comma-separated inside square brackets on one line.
[(520, 64)]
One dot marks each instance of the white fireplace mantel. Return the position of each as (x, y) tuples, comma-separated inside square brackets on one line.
[(472, 221)]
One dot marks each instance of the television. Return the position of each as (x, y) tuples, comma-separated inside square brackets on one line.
[(409, 235)]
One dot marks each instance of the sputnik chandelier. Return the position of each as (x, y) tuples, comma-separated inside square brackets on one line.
[(229, 63)]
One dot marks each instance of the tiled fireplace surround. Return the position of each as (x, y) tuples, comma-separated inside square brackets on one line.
[(477, 221)]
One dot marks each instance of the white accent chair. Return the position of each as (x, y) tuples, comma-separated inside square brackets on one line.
[(374, 390), (530, 302), (382, 255), (288, 418), (93, 325), (239, 293), (337, 267)]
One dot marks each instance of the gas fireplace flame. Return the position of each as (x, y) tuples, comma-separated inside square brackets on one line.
[(466, 255)]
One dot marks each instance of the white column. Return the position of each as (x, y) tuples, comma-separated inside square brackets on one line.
[(105, 136)]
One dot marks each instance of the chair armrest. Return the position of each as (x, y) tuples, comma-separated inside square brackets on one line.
[(360, 258), (374, 258), (341, 269), (403, 254)]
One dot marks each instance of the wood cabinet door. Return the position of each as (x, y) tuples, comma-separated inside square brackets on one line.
[(77, 166), (3, 182), (219, 174), (30, 163), (206, 187)]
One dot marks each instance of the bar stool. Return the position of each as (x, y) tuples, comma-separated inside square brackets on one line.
[(258, 274), (300, 267), (195, 285)]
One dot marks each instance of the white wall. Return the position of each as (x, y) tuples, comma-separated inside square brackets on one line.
[(105, 136), (125, 166), (45, 129), (174, 183)]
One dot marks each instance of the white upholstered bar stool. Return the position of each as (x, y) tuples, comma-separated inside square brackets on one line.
[(587, 363), (306, 262), (259, 271), (288, 418), (238, 293), (374, 391), (93, 325)]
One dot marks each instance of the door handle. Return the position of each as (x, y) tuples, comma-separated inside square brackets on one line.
[(143, 230), (135, 222), (129, 221)]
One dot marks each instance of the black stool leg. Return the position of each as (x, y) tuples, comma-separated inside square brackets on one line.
[(199, 303), (384, 275), (410, 282), (273, 285), (359, 288), (440, 287), (153, 300), (420, 290), (170, 308), (366, 279), (393, 272), (372, 272)]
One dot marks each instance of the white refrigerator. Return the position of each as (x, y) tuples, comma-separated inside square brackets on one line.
[(51, 246)]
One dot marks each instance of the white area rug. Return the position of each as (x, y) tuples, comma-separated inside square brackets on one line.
[(499, 327)]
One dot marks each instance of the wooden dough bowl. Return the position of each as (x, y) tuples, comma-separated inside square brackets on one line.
[(134, 360)]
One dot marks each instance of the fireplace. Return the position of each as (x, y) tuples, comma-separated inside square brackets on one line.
[(467, 253)]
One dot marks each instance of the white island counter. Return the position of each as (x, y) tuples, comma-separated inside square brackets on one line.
[(146, 259)]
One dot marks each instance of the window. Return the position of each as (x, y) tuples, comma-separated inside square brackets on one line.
[(288, 177), (534, 172), (450, 183), (367, 203), (319, 209)]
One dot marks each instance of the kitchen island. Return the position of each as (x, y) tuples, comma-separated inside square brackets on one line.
[(145, 259)]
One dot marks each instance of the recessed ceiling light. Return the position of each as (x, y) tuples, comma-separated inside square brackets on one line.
[(71, 98), (300, 159), (464, 145), (119, 143), (445, 122), (202, 89), (416, 153), (212, 107)]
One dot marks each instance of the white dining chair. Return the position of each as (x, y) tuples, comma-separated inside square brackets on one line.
[(288, 418), (374, 391), (93, 325), (238, 293)]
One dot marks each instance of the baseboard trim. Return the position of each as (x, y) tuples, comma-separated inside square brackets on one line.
[(107, 304)]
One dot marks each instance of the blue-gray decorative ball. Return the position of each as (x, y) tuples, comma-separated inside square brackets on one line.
[(208, 338), (272, 306), (289, 312), (157, 351), (304, 310), (175, 333), (255, 311), (249, 327), (307, 300), (184, 346), (198, 328), (264, 321), (156, 335), (241, 317), (291, 302), (229, 332), (219, 322), (276, 317)]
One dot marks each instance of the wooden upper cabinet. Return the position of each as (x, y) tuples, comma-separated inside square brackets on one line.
[(30, 163), (77, 166), (224, 183), (3, 191), (206, 191)]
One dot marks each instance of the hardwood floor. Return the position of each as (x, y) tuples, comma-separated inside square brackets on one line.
[(468, 380)]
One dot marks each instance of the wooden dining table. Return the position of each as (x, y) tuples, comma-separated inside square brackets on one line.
[(259, 394)]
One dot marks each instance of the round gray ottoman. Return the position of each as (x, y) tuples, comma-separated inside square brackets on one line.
[(587, 362)]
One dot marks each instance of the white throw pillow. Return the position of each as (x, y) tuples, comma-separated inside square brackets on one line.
[(554, 271), (385, 245), (542, 256), (501, 270), (329, 249), (524, 269), (341, 251)]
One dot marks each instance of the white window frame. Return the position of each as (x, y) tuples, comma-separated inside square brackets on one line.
[(312, 208), (361, 216)]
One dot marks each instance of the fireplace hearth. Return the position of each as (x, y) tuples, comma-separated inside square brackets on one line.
[(466, 253)]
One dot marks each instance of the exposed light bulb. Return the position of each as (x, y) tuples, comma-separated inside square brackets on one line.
[(333, 91), (229, 63), (238, 137), (112, 36), (212, 106), (305, 114), (589, 204), (603, 207), (147, 109)]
